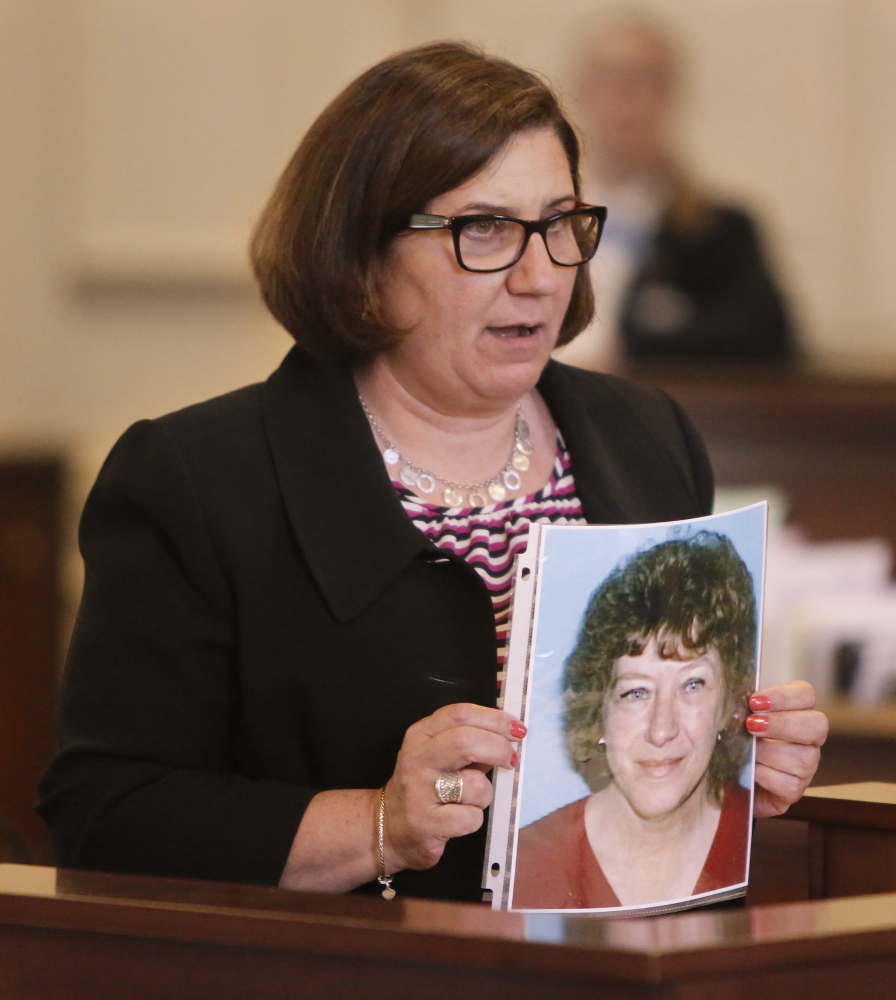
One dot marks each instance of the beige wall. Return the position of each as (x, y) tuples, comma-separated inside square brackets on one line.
[(138, 138)]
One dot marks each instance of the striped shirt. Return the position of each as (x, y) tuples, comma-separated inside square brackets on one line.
[(490, 538)]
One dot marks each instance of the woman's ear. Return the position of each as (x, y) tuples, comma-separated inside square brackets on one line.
[(737, 710), (372, 293), (377, 311)]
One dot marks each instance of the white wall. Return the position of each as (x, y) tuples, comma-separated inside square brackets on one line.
[(138, 139)]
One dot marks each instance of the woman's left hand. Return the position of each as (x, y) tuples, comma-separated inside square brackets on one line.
[(790, 733)]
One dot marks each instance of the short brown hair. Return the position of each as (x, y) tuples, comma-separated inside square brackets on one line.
[(412, 127)]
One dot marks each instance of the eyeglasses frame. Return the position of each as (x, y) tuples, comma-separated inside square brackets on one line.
[(456, 223)]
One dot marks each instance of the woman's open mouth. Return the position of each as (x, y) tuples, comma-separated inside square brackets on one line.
[(514, 331)]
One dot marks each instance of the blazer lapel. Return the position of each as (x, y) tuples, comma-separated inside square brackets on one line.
[(623, 471), (341, 504), (588, 448)]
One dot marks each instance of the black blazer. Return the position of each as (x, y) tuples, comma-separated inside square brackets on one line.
[(707, 293), (261, 620)]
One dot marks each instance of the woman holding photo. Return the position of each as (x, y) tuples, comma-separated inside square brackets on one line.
[(284, 666)]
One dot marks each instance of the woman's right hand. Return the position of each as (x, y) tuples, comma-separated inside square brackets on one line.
[(333, 850), (469, 739)]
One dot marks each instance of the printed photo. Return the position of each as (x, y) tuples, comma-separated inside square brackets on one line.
[(635, 785)]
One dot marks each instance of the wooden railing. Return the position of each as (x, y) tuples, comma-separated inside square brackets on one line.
[(30, 503), (829, 443), (72, 935)]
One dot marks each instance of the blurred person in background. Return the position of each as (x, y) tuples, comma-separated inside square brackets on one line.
[(680, 275)]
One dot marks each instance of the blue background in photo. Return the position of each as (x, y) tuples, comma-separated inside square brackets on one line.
[(574, 561)]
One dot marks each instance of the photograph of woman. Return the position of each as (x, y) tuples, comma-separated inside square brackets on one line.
[(655, 692), (286, 664)]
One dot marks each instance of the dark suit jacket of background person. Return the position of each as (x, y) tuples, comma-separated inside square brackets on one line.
[(261, 620), (706, 291)]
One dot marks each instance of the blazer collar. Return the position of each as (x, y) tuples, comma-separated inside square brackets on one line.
[(341, 504), (588, 431)]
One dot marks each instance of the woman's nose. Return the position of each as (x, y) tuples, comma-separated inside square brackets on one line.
[(534, 273), (662, 725)]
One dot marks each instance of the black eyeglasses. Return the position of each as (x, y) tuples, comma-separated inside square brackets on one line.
[(486, 243)]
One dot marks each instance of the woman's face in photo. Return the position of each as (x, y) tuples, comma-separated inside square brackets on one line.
[(661, 721)]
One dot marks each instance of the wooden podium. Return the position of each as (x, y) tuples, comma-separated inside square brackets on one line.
[(852, 838), (67, 935)]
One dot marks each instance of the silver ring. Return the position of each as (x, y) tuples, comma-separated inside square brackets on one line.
[(449, 787)]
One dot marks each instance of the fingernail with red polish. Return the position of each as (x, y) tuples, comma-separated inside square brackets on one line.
[(760, 703), (757, 723), (514, 759), (518, 730)]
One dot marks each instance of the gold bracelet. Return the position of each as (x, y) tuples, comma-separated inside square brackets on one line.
[(383, 879)]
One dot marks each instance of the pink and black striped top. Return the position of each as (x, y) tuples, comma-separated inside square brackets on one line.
[(490, 538)]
